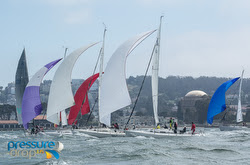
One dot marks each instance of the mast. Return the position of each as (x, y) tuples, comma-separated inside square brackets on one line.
[(239, 112), (155, 73), (101, 71)]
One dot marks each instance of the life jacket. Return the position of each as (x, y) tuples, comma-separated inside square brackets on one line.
[(193, 127)]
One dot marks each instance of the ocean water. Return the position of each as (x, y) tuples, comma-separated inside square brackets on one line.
[(214, 147)]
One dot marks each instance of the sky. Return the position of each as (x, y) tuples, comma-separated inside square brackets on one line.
[(198, 38)]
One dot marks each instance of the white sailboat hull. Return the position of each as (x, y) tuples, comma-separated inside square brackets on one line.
[(232, 128), (156, 134), (102, 133)]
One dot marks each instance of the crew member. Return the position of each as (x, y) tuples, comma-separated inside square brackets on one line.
[(193, 128), (171, 123), (116, 126), (184, 130), (175, 127), (158, 126)]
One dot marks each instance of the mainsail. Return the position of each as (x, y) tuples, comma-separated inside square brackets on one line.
[(61, 96), (31, 105), (81, 99), (114, 92), (21, 81), (154, 79), (218, 103), (107, 117), (239, 117)]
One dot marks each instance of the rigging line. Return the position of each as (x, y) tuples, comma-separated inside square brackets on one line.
[(141, 86), (92, 110)]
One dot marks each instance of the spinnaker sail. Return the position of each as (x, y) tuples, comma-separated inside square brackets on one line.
[(218, 103), (31, 104), (114, 92), (61, 96), (81, 99)]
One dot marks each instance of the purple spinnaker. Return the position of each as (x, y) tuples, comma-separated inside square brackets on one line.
[(31, 105)]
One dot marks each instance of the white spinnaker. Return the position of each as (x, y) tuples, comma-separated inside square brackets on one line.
[(239, 112), (61, 96), (154, 78), (114, 90)]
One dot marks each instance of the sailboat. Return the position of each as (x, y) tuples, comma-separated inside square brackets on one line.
[(218, 105), (113, 91), (157, 133), (21, 81), (61, 95), (31, 103), (82, 103), (239, 117)]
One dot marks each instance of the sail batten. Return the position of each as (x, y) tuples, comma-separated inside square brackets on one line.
[(239, 117), (114, 91), (61, 96), (21, 81), (218, 102), (31, 103)]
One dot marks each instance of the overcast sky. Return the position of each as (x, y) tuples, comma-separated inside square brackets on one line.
[(199, 38)]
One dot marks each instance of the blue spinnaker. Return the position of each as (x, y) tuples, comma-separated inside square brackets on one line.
[(218, 103)]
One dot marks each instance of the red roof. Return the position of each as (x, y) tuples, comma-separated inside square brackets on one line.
[(8, 122), (41, 117)]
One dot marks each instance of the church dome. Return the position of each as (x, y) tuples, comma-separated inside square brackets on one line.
[(195, 93)]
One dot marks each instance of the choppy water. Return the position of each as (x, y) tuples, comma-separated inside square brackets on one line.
[(215, 147)]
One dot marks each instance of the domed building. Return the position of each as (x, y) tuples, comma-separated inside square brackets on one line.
[(195, 94), (193, 106)]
